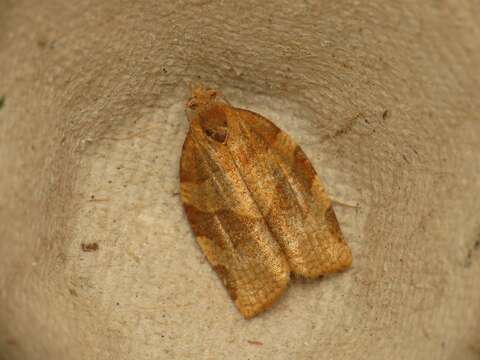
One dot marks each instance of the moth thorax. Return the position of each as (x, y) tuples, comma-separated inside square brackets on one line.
[(214, 123)]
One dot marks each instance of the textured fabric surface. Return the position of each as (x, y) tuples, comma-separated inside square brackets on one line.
[(383, 96)]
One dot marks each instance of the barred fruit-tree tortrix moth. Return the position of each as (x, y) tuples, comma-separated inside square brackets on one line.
[(255, 203)]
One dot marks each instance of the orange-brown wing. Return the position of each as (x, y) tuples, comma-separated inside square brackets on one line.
[(289, 195), (229, 228)]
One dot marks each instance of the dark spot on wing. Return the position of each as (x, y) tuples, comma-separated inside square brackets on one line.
[(332, 222)]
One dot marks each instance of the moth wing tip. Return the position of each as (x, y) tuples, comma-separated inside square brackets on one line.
[(252, 310)]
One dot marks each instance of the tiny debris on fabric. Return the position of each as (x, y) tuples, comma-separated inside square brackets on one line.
[(89, 247), (255, 342), (255, 203)]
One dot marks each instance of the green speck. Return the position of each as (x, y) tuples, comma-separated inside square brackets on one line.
[(2, 101)]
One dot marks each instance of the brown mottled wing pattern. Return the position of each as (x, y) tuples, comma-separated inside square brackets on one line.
[(255, 204), (289, 195), (229, 227)]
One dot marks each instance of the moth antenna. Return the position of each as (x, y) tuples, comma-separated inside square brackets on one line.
[(341, 203)]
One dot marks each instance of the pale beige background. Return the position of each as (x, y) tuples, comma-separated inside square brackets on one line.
[(384, 96)]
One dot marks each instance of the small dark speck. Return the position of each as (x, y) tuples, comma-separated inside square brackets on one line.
[(92, 197), (2, 101), (164, 70), (405, 158), (176, 193), (470, 253), (110, 181), (386, 114), (11, 341), (42, 43), (73, 292), (118, 303)]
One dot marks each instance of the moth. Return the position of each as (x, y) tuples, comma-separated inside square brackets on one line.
[(257, 208)]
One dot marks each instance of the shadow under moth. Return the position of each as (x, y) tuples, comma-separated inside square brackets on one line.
[(255, 203)]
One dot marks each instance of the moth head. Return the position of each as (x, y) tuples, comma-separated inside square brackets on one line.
[(210, 113), (201, 97)]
